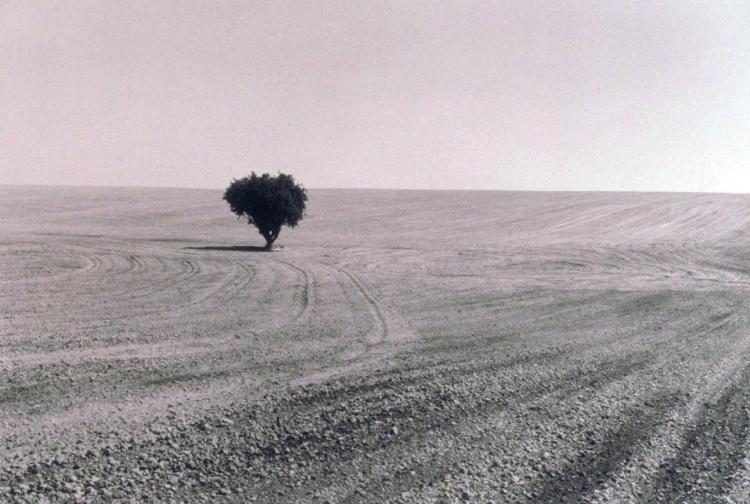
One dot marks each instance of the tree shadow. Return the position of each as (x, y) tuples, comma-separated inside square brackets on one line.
[(232, 248)]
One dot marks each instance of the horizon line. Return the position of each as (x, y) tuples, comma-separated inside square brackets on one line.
[(193, 188)]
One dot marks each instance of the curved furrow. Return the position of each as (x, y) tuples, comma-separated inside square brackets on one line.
[(711, 457), (307, 295), (94, 262), (133, 265), (38, 266), (231, 286), (379, 333), (148, 283)]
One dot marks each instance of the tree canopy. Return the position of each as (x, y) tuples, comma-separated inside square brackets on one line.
[(267, 202)]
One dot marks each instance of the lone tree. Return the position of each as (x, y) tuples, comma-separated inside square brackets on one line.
[(267, 202)]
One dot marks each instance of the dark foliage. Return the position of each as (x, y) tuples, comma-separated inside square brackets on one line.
[(267, 202)]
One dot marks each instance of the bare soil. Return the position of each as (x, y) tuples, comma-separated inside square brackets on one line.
[(400, 346)]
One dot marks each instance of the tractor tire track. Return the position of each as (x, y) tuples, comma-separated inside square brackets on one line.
[(308, 291), (707, 463), (379, 334)]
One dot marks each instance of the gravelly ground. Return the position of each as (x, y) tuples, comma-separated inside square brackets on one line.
[(402, 346)]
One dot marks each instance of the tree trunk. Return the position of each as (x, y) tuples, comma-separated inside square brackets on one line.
[(270, 237)]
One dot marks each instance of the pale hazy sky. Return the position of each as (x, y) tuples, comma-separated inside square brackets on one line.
[(579, 95)]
